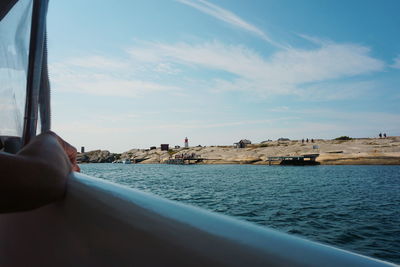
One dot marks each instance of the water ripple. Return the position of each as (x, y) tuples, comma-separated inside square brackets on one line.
[(351, 207)]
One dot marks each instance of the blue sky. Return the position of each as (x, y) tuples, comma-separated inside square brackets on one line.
[(141, 73)]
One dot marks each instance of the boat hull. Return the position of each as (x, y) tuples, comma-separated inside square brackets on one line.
[(103, 224)]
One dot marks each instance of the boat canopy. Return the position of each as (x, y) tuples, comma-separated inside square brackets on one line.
[(24, 86), (15, 25)]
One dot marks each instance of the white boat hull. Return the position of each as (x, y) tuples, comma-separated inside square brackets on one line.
[(103, 224)]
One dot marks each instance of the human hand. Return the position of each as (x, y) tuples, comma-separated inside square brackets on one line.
[(47, 161), (69, 150)]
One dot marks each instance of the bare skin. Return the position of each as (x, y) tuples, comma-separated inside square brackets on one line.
[(36, 175)]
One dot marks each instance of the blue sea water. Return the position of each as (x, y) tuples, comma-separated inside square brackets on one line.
[(351, 207)]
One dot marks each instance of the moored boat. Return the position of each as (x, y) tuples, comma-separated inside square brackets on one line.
[(126, 161)]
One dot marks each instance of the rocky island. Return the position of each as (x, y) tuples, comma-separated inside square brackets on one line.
[(357, 151)]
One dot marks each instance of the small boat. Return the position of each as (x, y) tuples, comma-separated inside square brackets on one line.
[(126, 161)]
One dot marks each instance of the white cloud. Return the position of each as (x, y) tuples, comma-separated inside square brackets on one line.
[(144, 55), (396, 63), (282, 73), (336, 90), (108, 78), (315, 73), (315, 40), (98, 62), (166, 68), (230, 18), (279, 109)]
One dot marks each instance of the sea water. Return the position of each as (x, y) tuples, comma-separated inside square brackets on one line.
[(356, 208)]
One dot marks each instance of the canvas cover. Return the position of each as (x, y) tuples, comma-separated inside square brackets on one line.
[(15, 20)]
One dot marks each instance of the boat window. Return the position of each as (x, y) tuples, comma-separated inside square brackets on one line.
[(14, 46)]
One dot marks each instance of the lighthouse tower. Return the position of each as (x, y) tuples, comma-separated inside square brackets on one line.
[(186, 142)]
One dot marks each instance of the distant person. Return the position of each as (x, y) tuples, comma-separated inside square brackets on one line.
[(307, 140), (312, 140), (384, 135), (37, 174), (380, 135), (302, 141)]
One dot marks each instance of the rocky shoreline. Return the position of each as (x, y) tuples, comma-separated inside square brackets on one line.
[(359, 151)]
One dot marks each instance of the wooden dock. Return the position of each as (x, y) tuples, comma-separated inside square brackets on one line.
[(306, 159), (184, 161)]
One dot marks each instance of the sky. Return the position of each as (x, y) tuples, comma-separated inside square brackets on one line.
[(132, 74)]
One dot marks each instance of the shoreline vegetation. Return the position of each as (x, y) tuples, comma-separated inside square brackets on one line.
[(356, 151)]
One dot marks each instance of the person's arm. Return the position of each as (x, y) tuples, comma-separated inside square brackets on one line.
[(37, 175)]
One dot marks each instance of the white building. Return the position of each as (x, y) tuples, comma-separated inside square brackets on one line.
[(186, 142)]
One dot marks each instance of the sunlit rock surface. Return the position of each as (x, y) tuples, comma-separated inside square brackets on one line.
[(365, 151)]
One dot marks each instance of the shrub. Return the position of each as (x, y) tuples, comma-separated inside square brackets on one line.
[(171, 152), (343, 138)]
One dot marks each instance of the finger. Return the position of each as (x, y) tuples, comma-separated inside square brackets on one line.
[(71, 153), (76, 168)]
